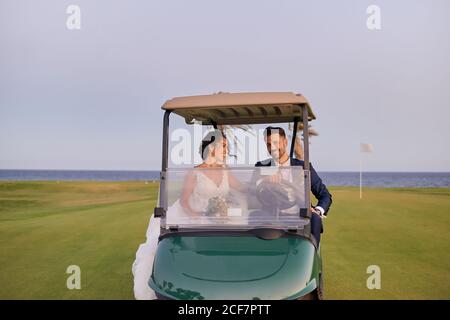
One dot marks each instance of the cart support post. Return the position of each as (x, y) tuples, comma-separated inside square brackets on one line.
[(160, 210), (294, 137), (306, 159), (165, 142)]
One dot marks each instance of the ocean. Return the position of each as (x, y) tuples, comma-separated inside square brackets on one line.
[(370, 179)]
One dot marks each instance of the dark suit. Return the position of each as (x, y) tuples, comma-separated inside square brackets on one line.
[(318, 189)]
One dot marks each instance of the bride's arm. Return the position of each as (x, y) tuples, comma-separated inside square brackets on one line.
[(188, 187), (236, 184)]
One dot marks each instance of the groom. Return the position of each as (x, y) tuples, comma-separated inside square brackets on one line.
[(277, 143)]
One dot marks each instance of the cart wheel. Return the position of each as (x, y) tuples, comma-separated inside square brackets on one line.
[(159, 296), (319, 291)]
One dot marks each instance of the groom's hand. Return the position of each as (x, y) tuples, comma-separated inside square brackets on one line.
[(318, 212)]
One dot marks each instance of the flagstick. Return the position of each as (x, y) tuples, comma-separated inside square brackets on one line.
[(360, 176)]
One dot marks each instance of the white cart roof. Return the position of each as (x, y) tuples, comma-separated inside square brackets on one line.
[(240, 108)]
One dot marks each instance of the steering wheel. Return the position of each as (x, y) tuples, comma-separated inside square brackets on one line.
[(276, 195)]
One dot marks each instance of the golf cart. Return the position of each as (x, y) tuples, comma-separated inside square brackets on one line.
[(258, 247)]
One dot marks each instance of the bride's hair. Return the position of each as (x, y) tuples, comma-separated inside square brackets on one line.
[(212, 138)]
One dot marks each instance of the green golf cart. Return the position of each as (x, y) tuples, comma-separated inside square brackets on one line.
[(260, 246)]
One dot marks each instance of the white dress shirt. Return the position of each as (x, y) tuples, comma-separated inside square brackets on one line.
[(287, 175)]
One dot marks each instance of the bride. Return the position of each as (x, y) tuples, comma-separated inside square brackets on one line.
[(200, 186)]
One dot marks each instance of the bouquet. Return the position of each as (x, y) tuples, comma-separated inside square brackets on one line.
[(217, 206)]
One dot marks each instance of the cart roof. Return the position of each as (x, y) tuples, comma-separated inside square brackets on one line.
[(240, 108)]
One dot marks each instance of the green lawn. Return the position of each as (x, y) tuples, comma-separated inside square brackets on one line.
[(47, 226)]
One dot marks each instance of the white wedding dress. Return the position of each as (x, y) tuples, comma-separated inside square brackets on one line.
[(204, 190)]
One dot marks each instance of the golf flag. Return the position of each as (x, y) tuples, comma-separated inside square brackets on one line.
[(366, 147)]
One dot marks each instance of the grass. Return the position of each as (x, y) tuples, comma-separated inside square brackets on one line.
[(46, 226), (406, 232)]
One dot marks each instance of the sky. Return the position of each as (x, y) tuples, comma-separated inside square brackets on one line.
[(91, 98)]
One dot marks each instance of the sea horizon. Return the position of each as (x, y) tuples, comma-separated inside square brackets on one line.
[(152, 170), (383, 179)]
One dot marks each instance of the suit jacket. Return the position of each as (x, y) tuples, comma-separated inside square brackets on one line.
[(318, 188)]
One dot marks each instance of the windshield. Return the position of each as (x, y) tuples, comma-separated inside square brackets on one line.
[(245, 145), (235, 197)]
